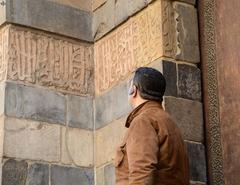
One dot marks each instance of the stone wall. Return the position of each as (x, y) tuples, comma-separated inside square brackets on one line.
[(47, 108), (65, 67), (160, 34)]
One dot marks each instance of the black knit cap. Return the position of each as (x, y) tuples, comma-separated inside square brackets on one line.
[(150, 82)]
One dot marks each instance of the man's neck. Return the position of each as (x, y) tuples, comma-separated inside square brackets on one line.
[(139, 102)]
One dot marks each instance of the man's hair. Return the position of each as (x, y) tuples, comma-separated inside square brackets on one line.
[(150, 83)]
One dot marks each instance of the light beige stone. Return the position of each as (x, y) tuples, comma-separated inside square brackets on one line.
[(79, 4), (1, 138), (100, 176), (106, 141), (2, 12), (77, 147), (2, 98), (197, 183), (37, 58), (32, 140), (4, 38), (97, 3), (138, 42)]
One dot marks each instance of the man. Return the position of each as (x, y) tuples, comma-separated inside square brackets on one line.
[(152, 151)]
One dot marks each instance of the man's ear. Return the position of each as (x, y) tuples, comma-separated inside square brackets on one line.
[(135, 91)]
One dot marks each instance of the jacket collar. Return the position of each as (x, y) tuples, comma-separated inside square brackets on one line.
[(140, 109)]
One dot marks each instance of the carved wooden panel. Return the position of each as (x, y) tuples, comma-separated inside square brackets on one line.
[(138, 42)]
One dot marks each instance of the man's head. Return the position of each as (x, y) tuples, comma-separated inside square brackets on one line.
[(147, 84)]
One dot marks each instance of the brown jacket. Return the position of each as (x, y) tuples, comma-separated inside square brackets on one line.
[(152, 151)]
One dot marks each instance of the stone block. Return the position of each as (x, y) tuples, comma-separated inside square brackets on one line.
[(197, 162), (197, 183), (2, 12), (77, 147), (189, 82), (109, 175), (188, 115), (137, 5), (14, 172), (78, 4), (80, 112), (100, 176), (136, 43), (125, 9), (170, 74), (38, 174), (106, 141), (97, 3), (25, 139), (192, 2), (61, 175), (187, 33), (2, 97), (34, 103), (34, 57), (51, 16), (111, 105), (122, 11), (103, 19), (4, 34), (1, 138)]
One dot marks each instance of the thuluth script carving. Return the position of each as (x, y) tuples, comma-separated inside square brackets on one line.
[(136, 43), (48, 61)]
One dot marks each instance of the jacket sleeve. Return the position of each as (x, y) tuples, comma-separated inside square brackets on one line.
[(142, 152)]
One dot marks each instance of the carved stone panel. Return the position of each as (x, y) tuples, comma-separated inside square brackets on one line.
[(42, 59), (138, 42), (3, 53)]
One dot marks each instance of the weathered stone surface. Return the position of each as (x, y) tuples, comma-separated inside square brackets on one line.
[(4, 34), (77, 147), (1, 139), (187, 33), (192, 2), (125, 8), (34, 103), (97, 4), (38, 174), (138, 42), (71, 176), (137, 5), (100, 176), (197, 183), (188, 116), (109, 174), (38, 58), (122, 11), (197, 162), (189, 82), (2, 12), (14, 172), (2, 98), (51, 16), (79, 4), (111, 105), (105, 175), (80, 112), (103, 19), (31, 140), (106, 141), (170, 74)]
